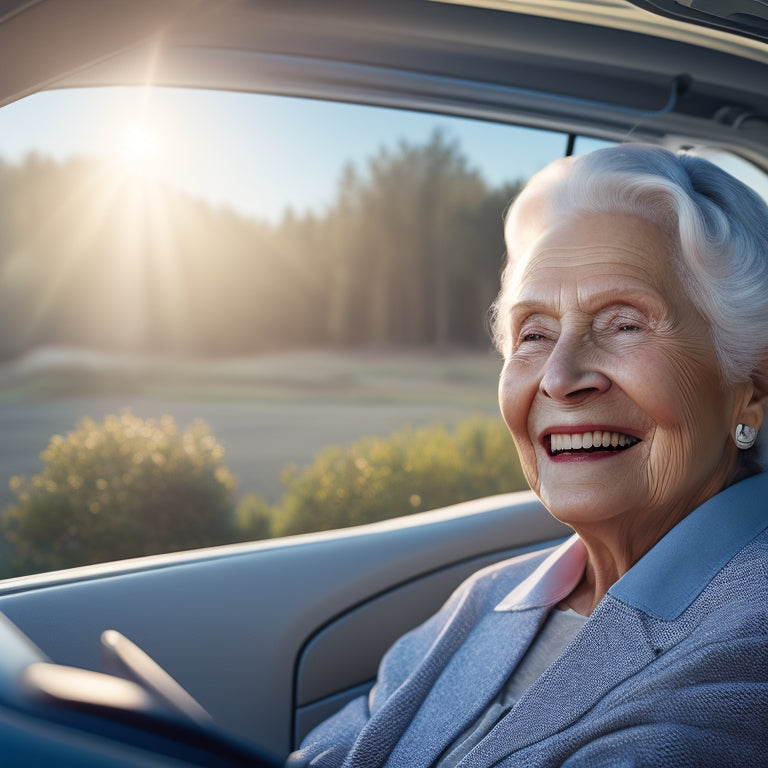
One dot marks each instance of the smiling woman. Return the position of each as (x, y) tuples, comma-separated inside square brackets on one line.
[(636, 427), (615, 346)]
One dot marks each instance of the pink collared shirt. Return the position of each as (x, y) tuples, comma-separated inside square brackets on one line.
[(552, 581)]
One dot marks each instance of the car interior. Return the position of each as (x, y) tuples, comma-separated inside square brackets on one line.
[(230, 655)]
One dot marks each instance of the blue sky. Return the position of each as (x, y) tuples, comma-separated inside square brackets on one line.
[(257, 154), (260, 154)]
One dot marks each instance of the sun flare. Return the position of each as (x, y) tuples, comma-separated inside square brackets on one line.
[(139, 148)]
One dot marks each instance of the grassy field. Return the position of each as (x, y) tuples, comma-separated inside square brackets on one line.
[(267, 411)]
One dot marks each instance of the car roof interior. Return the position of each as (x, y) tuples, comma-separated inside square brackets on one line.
[(606, 69)]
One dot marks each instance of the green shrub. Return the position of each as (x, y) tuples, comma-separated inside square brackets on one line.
[(131, 487), (253, 518), (123, 488), (410, 471)]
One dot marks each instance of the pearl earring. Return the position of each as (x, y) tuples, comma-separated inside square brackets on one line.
[(745, 436)]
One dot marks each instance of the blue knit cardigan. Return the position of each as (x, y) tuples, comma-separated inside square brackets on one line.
[(671, 668)]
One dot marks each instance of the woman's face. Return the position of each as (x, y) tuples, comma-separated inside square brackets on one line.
[(612, 390)]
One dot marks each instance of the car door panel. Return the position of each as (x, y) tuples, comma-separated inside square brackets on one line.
[(253, 630)]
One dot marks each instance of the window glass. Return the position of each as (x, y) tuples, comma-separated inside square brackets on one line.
[(583, 145), (737, 166), (299, 276)]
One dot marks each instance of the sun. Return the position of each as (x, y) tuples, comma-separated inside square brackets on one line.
[(139, 149)]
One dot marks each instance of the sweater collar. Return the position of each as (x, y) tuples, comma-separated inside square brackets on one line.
[(673, 573), (670, 576)]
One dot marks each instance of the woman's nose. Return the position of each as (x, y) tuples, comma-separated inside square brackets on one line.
[(570, 373)]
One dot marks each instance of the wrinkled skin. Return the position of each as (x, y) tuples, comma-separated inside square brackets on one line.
[(604, 338)]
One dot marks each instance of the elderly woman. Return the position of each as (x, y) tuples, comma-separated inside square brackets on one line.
[(633, 319)]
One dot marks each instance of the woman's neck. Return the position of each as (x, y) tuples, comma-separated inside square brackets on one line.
[(611, 552)]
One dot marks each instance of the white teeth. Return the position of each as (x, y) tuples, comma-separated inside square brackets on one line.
[(587, 440)]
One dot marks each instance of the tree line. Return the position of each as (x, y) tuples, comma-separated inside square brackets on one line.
[(407, 253)]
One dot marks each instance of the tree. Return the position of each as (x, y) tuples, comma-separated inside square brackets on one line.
[(124, 488), (410, 236), (409, 471)]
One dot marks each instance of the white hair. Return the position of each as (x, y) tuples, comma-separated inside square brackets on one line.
[(717, 228)]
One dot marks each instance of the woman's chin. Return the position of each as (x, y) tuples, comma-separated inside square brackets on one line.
[(588, 506), (589, 490)]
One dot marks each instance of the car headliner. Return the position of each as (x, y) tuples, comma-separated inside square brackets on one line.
[(603, 68)]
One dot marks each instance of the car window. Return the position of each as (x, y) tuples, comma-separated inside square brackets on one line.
[(584, 144), (232, 316), (739, 167)]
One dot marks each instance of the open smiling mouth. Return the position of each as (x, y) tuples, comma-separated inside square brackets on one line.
[(589, 442)]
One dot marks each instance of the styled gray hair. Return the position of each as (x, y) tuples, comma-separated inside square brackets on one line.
[(717, 227)]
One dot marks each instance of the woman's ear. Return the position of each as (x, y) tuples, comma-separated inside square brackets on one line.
[(752, 403)]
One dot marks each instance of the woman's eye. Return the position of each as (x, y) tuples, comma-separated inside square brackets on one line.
[(531, 337), (629, 327)]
